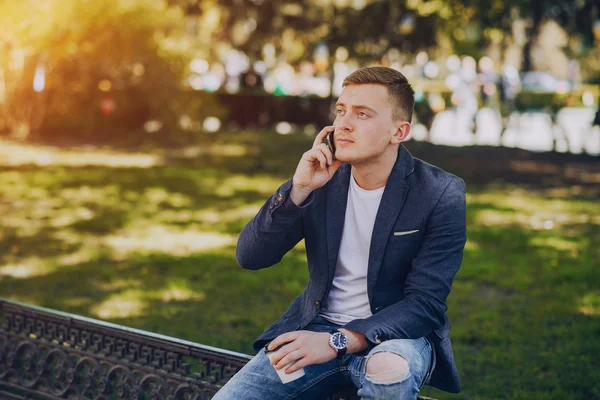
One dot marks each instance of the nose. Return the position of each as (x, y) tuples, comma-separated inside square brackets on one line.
[(342, 123)]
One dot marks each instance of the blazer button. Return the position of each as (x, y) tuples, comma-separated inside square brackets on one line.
[(318, 304), (279, 197), (377, 339)]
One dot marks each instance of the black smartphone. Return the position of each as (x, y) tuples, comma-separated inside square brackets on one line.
[(330, 143)]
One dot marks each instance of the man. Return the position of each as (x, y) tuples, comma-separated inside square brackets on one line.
[(384, 235)]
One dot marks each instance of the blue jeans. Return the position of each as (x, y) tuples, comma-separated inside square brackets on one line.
[(259, 381)]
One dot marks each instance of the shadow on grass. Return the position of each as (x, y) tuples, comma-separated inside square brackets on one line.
[(43, 244), (568, 176)]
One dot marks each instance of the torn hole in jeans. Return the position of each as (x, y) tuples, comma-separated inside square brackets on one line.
[(387, 368)]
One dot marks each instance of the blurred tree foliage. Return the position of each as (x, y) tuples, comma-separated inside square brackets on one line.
[(496, 19), (108, 66), (113, 65), (369, 29)]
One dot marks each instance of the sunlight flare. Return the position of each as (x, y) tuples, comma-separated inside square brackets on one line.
[(590, 305), (241, 183), (12, 154), (29, 268), (178, 293), (127, 304), (165, 239)]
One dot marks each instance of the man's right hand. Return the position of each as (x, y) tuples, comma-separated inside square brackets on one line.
[(315, 169)]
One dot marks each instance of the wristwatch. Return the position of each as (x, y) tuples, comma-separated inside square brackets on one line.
[(339, 342)]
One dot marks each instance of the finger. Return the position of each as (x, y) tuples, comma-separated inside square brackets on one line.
[(282, 353), (290, 357), (281, 339), (334, 166), (321, 135), (322, 159), (325, 150), (317, 155), (301, 363)]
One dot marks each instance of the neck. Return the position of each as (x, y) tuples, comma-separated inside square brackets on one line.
[(374, 174)]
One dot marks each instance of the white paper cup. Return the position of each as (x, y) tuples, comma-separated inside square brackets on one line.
[(286, 378)]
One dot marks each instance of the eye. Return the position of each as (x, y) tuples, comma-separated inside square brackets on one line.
[(339, 111), (362, 114)]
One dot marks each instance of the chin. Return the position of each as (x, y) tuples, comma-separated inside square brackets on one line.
[(349, 159), (343, 157)]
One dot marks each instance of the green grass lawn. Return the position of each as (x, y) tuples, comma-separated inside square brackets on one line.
[(153, 247)]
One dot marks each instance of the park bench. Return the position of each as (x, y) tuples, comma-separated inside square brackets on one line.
[(47, 354)]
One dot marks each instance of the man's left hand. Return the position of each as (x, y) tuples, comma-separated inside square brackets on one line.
[(305, 347)]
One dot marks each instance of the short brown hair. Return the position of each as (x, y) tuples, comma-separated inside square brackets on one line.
[(402, 95)]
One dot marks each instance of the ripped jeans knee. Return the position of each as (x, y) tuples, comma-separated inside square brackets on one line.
[(394, 370), (387, 368)]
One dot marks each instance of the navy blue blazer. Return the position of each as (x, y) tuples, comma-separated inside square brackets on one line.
[(409, 275)]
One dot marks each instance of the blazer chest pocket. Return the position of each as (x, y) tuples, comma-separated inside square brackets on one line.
[(406, 233), (405, 236), (404, 241)]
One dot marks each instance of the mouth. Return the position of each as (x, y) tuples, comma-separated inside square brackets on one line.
[(343, 141)]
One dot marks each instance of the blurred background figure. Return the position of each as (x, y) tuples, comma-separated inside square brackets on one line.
[(596, 121), (507, 90)]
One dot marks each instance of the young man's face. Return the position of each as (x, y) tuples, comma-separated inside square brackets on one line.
[(364, 127)]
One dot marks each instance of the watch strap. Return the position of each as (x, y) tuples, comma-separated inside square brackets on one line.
[(340, 352)]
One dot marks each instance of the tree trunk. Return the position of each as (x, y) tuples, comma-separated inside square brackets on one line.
[(538, 12)]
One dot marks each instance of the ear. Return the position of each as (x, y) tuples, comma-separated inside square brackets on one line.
[(402, 131)]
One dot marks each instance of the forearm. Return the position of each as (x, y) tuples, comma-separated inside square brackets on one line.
[(299, 195), (410, 318), (272, 232), (356, 341), (257, 249)]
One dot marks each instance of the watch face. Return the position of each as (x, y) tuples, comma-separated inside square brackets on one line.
[(338, 340)]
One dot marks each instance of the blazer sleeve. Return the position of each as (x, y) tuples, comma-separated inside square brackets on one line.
[(274, 231), (428, 283)]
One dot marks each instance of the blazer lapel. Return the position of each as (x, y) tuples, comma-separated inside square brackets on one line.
[(335, 211), (392, 201)]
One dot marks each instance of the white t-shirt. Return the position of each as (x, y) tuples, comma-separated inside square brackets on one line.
[(348, 298)]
